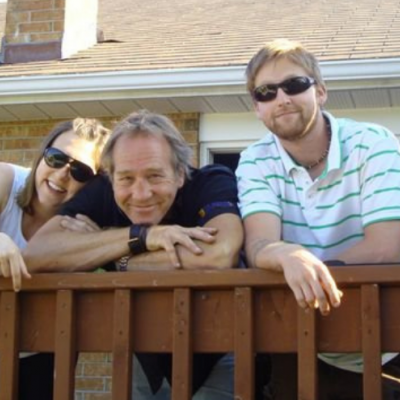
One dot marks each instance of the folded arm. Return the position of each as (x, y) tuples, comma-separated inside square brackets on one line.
[(57, 249), (219, 251)]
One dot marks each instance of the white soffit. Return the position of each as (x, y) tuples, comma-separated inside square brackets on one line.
[(340, 99), (368, 98), (93, 108), (26, 111)]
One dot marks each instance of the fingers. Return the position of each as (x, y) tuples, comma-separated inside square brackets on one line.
[(173, 255), (15, 268), (312, 282), (329, 285), (165, 237), (90, 225), (79, 224)]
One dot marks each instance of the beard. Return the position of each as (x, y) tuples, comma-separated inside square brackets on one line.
[(293, 124)]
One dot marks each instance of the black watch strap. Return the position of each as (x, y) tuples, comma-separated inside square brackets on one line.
[(137, 238)]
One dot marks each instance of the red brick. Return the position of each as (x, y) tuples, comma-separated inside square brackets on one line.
[(89, 384)]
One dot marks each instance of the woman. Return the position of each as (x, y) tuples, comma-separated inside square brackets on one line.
[(68, 158)]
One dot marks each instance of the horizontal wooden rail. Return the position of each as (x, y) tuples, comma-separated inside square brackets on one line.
[(240, 311)]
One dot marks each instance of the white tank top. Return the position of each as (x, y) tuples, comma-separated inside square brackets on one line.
[(11, 216)]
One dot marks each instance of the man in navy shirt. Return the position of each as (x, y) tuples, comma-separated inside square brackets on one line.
[(169, 216)]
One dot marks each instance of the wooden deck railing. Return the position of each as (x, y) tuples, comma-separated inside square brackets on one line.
[(183, 312)]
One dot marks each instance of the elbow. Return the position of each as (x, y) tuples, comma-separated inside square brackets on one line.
[(225, 257)]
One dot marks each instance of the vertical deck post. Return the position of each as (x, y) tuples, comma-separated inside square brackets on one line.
[(371, 342), (244, 344), (122, 346), (65, 354), (8, 346), (182, 346), (307, 355)]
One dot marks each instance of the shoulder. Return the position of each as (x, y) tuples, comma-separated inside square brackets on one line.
[(257, 149), (210, 175), (6, 182), (210, 191), (353, 132)]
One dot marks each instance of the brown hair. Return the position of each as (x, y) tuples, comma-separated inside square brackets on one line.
[(85, 128), (278, 49), (146, 123)]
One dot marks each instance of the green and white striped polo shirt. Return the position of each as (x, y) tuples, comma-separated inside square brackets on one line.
[(359, 186)]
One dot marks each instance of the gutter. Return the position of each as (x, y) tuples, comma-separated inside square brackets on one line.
[(339, 75)]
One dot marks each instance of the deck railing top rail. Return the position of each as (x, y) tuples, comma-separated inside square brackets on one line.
[(345, 276)]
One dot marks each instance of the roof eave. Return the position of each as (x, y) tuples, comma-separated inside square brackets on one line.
[(339, 75)]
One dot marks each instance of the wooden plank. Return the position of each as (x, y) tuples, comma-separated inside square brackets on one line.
[(351, 276), (9, 346), (182, 346), (371, 340), (212, 321), (65, 354), (122, 346), (37, 321), (307, 354), (244, 344), (275, 310)]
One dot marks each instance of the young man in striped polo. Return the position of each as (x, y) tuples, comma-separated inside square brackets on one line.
[(314, 189)]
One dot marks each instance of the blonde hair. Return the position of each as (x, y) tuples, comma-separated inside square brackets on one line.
[(279, 49)]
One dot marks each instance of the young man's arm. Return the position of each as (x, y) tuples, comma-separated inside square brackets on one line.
[(307, 276), (381, 244)]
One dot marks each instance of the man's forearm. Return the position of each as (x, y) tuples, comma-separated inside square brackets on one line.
[(212, 257), (59, 250)]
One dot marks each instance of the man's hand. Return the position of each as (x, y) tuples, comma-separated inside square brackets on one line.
[(11, 262), (309, 278), (81, 223), (165, 237)]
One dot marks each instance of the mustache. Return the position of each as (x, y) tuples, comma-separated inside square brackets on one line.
[(286, 110)]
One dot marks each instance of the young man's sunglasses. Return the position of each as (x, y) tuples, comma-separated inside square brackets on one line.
[(291, 87), (55, 158)]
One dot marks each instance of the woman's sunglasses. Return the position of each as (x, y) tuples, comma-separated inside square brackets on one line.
[(55, 158), (291, 87)]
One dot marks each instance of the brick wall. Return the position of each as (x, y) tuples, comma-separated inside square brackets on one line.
[(18, 141)]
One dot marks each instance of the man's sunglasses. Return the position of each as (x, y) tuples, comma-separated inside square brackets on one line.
[(55, 158), (291, 87)]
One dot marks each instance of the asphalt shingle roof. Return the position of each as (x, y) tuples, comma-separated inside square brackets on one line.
[(166, 34)]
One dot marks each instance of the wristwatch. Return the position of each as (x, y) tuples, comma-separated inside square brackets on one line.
[(137, 238)]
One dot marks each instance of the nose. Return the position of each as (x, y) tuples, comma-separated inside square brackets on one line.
[(282, 97), (64, 172), (141, 190)]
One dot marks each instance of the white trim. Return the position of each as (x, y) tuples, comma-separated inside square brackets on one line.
[(180, 82), (207, 149)]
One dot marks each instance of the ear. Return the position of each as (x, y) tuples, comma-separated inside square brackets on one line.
[(321, 94)]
